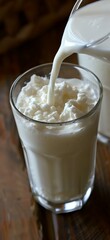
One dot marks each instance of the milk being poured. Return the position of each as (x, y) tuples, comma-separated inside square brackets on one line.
[(86, 25), (60, 157)]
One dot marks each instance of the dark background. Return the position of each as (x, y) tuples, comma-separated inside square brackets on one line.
[(30, 32)]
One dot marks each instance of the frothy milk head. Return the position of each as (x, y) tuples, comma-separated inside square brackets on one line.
[(72, 99)]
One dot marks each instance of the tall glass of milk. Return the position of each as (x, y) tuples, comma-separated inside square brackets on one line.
[(59, 149)]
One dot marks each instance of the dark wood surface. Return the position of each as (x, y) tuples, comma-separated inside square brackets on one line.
[(20, 217)]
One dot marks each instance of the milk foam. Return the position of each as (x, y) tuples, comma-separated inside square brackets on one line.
[(72, 100)]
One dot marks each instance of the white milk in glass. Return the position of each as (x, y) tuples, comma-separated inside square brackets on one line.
[(59, 141)]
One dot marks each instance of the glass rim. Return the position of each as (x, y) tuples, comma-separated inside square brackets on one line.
[(86, 115)]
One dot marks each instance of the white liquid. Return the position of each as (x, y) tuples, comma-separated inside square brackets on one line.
[(102, 70), (60, 158), (86, 25)]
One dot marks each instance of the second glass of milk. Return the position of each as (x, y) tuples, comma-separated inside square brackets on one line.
[(60, 156), (102, 70)]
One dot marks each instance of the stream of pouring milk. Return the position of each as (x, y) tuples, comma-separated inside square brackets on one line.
[(86, 25)]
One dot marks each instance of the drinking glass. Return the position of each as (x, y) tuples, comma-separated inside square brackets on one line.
[(60, 157)]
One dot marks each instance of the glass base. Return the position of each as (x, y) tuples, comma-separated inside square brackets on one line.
[(102, 138), (64, 207)]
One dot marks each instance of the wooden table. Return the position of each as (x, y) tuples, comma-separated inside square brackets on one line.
[(23, 219)]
